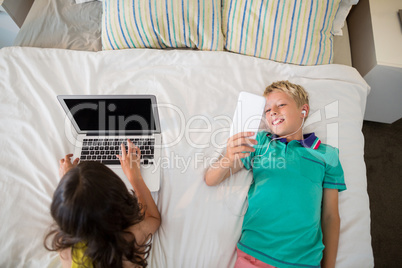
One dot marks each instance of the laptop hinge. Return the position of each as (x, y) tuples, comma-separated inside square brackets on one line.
[(119, 134)]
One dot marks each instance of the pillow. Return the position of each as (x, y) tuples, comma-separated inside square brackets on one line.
[(293, 31), (340, 17), (84, 1), (162, 24), (65, 25)]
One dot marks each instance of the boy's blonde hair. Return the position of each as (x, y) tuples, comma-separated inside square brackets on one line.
[(297, 92)]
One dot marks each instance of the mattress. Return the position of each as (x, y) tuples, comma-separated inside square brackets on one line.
[(197, 95)]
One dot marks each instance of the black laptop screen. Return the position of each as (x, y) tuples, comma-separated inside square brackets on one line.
[(112, 115)]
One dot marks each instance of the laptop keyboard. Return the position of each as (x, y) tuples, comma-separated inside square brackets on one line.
[(105, 150)]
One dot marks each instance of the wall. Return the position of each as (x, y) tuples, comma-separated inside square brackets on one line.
[(387, 31), (8, 29), (376, 47)]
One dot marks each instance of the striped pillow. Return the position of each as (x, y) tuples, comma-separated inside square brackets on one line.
[(162, 24), (293, 31)]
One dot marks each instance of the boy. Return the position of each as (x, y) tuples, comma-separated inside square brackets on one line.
[(293, 201)]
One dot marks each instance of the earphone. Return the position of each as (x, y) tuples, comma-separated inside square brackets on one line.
[(304, 116)]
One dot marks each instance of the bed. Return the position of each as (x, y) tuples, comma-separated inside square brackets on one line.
[(197, 90)]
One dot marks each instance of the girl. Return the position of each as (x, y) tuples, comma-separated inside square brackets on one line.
[(98, 222)]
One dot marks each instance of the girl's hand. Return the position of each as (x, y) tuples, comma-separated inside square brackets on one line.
[(130, 160), (66, 165), (239, 146)]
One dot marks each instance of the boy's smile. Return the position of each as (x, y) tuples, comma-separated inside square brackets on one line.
[(283, 116), (277, 121)]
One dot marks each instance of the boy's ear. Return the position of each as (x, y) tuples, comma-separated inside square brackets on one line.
[(305, 110)]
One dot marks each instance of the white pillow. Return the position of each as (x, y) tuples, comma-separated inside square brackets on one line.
[(340, 17)]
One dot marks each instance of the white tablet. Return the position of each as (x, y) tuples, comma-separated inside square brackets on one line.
[(248, 114)]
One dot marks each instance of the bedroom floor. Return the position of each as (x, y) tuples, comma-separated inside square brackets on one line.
[(383, 157)]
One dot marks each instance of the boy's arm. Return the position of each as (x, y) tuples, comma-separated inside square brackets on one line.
[(330, 222), (220, 170), (238, 146)]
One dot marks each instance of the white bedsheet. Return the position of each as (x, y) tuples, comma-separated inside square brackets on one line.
[(197, 92)]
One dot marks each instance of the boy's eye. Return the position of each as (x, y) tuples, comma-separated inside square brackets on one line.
[(267, 111), (281, 105)]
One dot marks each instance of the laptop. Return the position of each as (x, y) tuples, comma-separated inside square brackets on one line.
[(103, 122)]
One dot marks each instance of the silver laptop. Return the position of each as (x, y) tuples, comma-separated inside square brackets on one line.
[(103, 122)]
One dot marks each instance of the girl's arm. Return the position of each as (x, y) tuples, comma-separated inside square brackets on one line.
[(65, 258), (65, 166), (238, 146), (330, 223), (130, 162)]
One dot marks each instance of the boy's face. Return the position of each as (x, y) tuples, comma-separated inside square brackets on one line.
[(283, 116)]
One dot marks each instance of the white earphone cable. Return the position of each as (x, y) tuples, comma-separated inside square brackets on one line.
[(245, 203), (281, 137)]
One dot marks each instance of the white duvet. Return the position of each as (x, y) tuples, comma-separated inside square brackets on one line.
[(197, 92)]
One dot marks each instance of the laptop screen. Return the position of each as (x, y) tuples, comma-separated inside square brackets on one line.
[(112, 115)]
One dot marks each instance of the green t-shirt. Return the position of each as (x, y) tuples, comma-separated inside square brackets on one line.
[(282, 226)]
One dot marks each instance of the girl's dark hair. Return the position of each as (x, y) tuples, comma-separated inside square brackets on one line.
[(92, 205)]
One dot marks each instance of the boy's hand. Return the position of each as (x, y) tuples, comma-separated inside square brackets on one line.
[(130, 160), (66, 165), (239, 146)]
